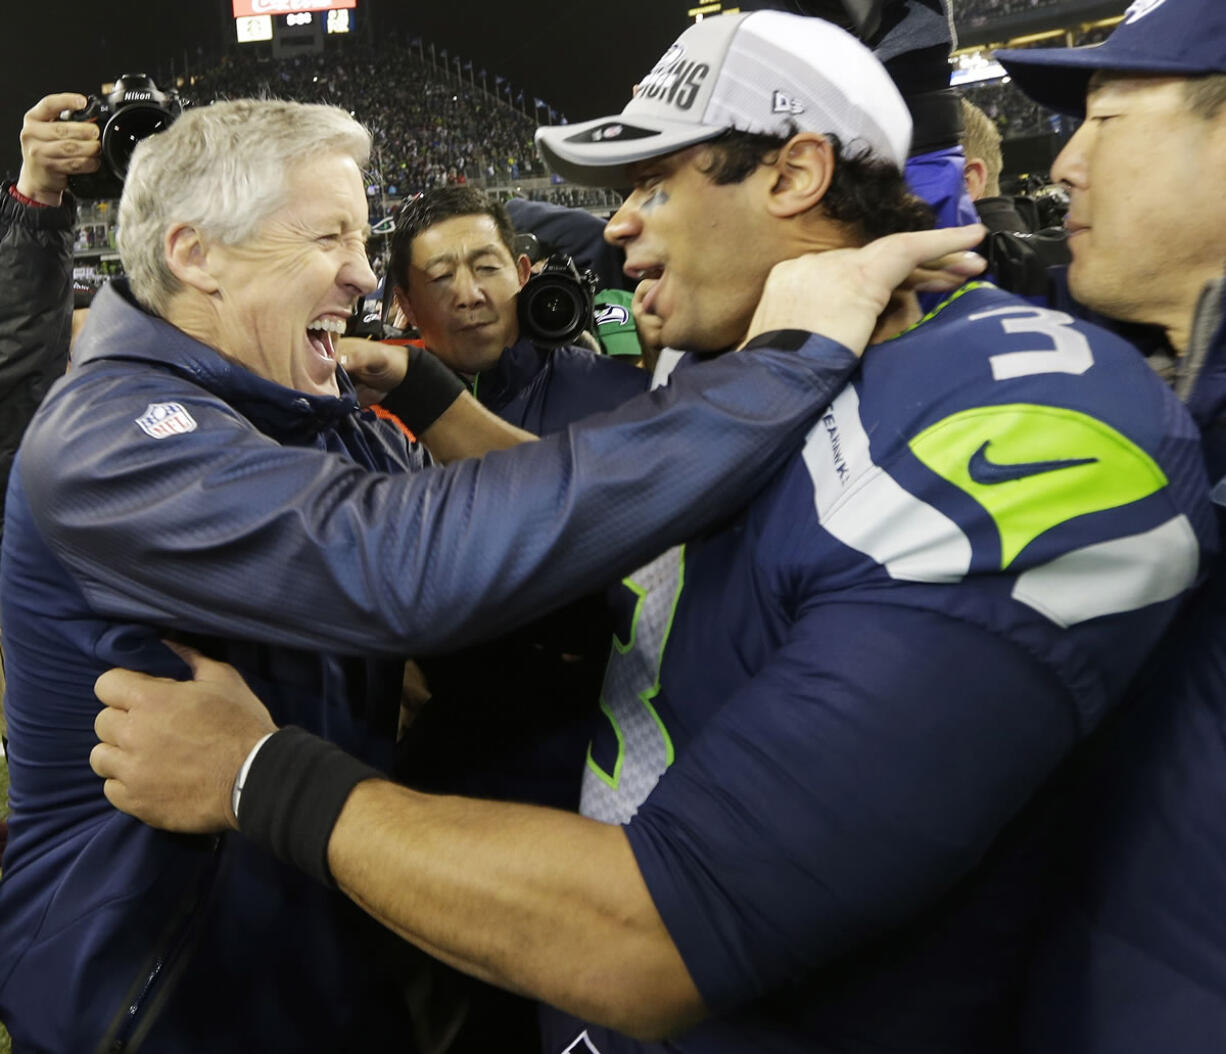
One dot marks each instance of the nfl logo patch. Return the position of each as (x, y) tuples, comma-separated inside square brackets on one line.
[(165, 419)]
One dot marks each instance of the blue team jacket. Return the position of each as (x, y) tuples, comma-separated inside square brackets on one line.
[(163, 490)]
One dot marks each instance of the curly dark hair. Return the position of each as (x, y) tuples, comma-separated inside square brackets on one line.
[(866, 193), (435, 206)]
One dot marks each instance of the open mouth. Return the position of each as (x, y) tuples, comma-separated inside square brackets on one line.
[(322, 334), (639, 273)]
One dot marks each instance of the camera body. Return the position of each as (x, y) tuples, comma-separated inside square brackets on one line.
[(557, 304), (134, 109)]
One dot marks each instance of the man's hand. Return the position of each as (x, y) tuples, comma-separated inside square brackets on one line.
[(841, 294), (170, 750), (374, 367), (52, 150)]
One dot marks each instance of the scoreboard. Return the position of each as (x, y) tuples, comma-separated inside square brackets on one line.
[(292, 25), (251, 8)]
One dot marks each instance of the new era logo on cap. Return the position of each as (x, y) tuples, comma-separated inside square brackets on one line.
[(781, 103)]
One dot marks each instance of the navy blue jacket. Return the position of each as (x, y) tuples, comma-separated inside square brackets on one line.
[(162, 490), (1136, 960), (545, 390)]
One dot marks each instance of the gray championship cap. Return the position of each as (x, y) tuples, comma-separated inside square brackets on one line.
[(756, 72)]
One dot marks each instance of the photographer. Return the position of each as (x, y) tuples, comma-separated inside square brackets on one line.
[(36, 273), (984, 162), (36, 265), (458, 280), (510, 718)]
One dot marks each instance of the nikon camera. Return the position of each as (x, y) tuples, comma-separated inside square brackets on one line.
[(557, 304), (134, 110)]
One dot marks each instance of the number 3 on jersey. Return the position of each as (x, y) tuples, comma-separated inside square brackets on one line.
[(1069, 353), (632, 681)]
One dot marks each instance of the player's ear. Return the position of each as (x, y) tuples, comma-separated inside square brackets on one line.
[(801, 174)]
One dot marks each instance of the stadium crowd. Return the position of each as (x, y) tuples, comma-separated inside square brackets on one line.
[(818, 648), (978, 12), (1013, 113), (431, 128)]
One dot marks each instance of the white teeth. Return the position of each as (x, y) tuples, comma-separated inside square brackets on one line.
[(330, 325)]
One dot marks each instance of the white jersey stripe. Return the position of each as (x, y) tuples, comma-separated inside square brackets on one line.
[(864, 508), (1120, 575)]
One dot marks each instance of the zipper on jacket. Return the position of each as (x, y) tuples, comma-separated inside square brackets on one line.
[(121, 1040), (145, 999)]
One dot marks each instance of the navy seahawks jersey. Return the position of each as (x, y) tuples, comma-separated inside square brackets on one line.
[(829, 723)]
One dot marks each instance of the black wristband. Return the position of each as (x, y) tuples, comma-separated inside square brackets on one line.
[(427, 391), (293, 795)]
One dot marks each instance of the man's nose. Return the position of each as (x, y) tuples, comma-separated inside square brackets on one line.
[(357, 275), (625, 224), (1070, 165), (468, 290)]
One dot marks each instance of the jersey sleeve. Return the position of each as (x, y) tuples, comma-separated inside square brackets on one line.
[(218, 529), (862, 772)]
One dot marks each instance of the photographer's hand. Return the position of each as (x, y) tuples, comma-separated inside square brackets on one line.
[(52, 150)]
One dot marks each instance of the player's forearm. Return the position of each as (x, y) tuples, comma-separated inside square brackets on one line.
[(545, 903), (468, 429)]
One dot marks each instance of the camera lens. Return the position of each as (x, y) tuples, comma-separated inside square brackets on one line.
[(555, 311), (127, 128)]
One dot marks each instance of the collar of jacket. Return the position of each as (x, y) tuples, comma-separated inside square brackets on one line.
[(120, 330)]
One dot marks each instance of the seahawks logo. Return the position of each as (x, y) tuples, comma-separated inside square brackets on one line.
[(611, 315)]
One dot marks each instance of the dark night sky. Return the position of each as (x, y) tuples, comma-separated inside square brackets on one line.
[(582, 58)]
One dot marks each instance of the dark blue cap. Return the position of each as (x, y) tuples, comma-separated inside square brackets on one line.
[(1179, 38)]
